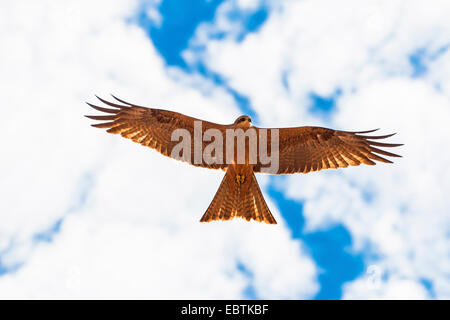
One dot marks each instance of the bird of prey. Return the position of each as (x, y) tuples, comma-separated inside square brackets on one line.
[(297, 150)]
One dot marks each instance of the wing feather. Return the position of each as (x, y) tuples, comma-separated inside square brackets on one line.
[(301, 149), (151, 127), (306, 149)]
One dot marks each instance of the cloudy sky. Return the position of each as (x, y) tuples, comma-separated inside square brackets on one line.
[(90, 215)]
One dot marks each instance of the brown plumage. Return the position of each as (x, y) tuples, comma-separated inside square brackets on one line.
[(239, 200), (301, 150)]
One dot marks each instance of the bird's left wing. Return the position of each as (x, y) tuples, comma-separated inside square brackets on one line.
[(306, 149), (153, 128)]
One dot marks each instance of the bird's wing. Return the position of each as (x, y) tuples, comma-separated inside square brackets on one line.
[(153, 128), (306, 149)]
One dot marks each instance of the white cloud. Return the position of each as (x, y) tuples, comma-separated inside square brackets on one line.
[(388, 290), (137, 233), (363, 50), (152, 11)]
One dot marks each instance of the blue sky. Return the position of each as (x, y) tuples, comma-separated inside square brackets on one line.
[(329, 248), (96, 220), (179, 22)]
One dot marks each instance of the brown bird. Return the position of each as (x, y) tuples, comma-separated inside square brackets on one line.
[(292, 150)]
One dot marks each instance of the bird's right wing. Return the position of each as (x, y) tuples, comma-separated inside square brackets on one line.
[(153, 128)]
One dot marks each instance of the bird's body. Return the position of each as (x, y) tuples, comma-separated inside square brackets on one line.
[(241, 150)]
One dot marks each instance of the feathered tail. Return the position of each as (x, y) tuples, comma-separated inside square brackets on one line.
[(238, 196)]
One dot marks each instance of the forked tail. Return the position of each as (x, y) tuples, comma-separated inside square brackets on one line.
[(238, 196)]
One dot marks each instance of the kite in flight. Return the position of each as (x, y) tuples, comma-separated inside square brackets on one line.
[(294, 150)]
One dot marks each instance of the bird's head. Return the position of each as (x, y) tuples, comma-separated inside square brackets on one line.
[(243, 122)]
